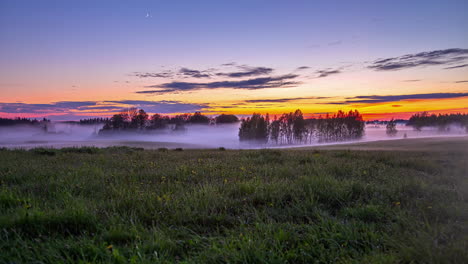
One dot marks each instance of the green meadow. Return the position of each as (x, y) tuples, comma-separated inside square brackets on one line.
[(130, 205)]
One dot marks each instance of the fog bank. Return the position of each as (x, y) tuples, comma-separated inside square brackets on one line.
[(195, 136)]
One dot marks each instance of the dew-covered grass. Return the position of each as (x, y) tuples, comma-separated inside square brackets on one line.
[(129, 205)]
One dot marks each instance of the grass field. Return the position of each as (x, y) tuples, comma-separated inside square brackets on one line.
[(129, 205)]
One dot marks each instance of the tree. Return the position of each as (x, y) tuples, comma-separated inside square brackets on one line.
[(141, 119), (117, 122), (391, 128), (198, 118), (299, 128), (131, 116), (341, 126), (274, 130), (224, 119), (442, 122), (254, 128), (158, 121)]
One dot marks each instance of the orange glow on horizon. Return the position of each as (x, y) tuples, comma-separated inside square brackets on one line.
[(311, 109)]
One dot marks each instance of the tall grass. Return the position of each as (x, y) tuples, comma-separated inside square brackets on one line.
[(126, 205)]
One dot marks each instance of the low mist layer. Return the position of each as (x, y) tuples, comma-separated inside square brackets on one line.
[(194, 136)]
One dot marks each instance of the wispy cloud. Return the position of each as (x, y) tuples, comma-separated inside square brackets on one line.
[(430, 58), (456, 67), (327, 72), (283, 100), (194, 73), (103, 107), (45, 108), (302, 68), (411, 80), (247, 71), (367, 99), (163, 106), (160, 91), (462, 81), (183, 72), (250, 84), (164, 74)]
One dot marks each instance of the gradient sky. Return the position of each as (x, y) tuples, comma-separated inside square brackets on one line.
[(74, 59)]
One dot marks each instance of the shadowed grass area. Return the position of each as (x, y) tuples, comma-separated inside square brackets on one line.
[(129, 205)]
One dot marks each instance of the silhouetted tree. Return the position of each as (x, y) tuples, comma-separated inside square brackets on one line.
[(299, 128), (89, 121), (442, 122), (223, 119), (254, 128), (117, 121), (341, 126), (198, 118), (141, 119), (391, 128), (274, 130), (158, 121), (21, 121)]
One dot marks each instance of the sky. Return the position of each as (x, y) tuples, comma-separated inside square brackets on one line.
[(67, 60)]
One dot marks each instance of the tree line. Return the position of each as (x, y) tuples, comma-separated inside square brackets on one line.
[(92, 121), (22, 121), (292, 128), (135, 119), (441, 121)]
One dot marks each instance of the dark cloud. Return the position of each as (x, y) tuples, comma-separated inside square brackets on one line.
[(164, 74), (44, 108), (229, 64), (194, 73), (70, 107), (183, 72), (161, 91), (250, 84), (111, 108), (247, 71), (163, 107), (412, 80), (396, 105), (327, 72), (66, 104), (395, 98), (302, 68), (456, 67), (436, 57), (367, 99), (334, 103), (283, 100), (461, 82)]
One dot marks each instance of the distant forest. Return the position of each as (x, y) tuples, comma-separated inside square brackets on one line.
[(292, 128), (21, 121), (138, 120), (288, 128), (89, 121), (443, 122)]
